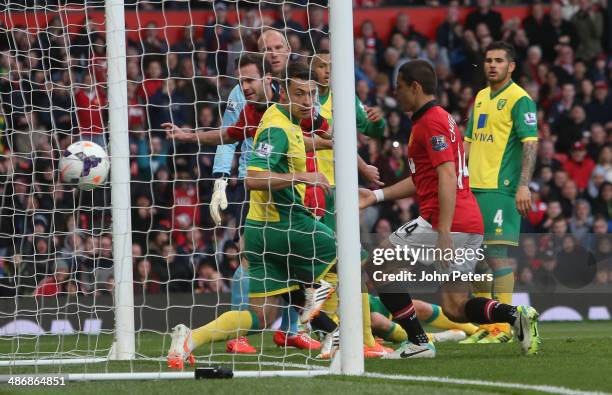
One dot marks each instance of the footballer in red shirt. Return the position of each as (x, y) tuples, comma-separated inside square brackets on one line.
[(450, 225)]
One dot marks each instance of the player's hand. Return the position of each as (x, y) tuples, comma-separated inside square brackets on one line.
[(176, 133), (371, 174), (316, 179), (523, 200), (366, 198), (374, 114), (218, 201), (444, 243)]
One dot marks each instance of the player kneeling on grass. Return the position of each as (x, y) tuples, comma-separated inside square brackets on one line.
[(454, 222), (289, 252), (428, 313)]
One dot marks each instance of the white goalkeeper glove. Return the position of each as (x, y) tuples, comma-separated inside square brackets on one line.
[(218, 202)]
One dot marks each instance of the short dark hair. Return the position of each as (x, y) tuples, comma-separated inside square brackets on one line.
[(297, 71), (263, 66), (419, 71), (504, 46)]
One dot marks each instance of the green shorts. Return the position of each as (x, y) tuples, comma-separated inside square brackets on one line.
[(376, 306), (329, 218), (502, 222), (282, 256)]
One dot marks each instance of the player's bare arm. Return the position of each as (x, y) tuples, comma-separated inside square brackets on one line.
[(447, 196), (400, 190), (260, 180), (210, 137), (368, 172), (523, 195), (316, 143)]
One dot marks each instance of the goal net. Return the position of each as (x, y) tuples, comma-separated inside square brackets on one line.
[(67, 256)]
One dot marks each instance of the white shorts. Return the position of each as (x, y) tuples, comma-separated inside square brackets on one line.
[(420, 238)]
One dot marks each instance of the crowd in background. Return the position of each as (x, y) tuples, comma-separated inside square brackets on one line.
[(53, 92)]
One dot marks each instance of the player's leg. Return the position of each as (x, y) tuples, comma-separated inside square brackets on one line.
[(502, 229), (395, 295), (481, 289), (240, 282), (381, 322), (459, 306), (431, 314)]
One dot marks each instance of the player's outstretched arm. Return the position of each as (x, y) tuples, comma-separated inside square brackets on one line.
[(264, 180), (210, 137), (400, 190)]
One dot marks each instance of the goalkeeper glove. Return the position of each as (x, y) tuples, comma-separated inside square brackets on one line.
[(218, 201)]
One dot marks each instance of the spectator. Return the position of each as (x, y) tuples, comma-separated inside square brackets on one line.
[(599, 110), (449, 34), (553, 212), (317, 28), (579, 166), (435, 55), (569, 196), (231, 260), (373, 44), (529, 254), (589, 26), (167, 105), (570, 129), (597, 143), (208, 279), (603, 204), (534, 24), (564, 104), (582, 221), (55, 283), (547, 156), (403, 27), (485, 14), (555, 31), (90, 102), (537, 212), (146, 281), (152, 83)]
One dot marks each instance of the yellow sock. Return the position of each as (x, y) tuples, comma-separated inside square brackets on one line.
[(368, 338), (229, 324), (330, 307), (396, 334), (482, 289), (503, 286), (440, 321)]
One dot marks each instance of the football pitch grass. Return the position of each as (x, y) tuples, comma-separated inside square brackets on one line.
[(574, 357)]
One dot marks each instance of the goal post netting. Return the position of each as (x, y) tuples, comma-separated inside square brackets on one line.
[(93, 282)]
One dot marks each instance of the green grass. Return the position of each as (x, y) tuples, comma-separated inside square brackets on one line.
[(574, 355)]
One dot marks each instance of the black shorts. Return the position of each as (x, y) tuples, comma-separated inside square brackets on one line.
[(240, 208)]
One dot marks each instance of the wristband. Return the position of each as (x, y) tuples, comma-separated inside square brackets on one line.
[(380, 195)]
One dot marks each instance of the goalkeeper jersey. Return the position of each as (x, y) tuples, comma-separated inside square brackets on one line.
[(279, 148), (224, 155), (325, 158), (497, 127)]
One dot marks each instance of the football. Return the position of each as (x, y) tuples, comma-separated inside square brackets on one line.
[(84, 164)]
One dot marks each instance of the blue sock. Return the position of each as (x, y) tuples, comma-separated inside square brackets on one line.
[(240, 289), (289, 320)]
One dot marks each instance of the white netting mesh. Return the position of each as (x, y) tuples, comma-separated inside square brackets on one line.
[(56, 272)]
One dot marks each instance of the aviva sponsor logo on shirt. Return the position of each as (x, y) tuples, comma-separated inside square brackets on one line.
[(482, 137)]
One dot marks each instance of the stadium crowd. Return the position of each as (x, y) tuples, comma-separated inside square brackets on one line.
[(53, 92)]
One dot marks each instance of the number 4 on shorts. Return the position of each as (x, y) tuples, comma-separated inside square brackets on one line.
[(498, 219)]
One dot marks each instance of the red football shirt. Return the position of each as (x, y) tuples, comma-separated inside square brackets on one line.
[(247, 124), (435, 139)]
